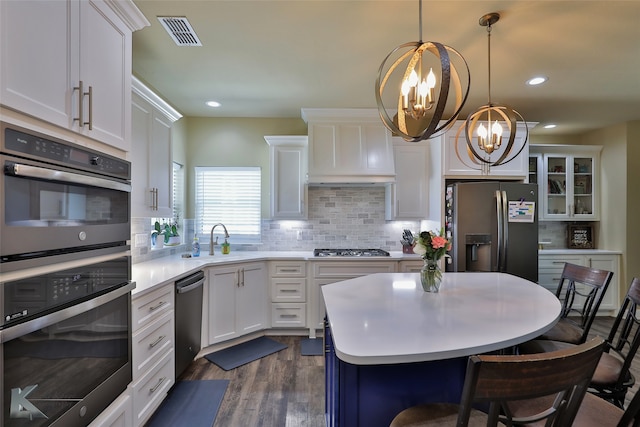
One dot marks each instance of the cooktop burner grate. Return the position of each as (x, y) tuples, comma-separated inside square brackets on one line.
[(349, 252)]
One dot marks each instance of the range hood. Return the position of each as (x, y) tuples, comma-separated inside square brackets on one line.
[(348, 147)]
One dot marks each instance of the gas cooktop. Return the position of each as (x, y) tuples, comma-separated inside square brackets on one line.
[(349, 252)]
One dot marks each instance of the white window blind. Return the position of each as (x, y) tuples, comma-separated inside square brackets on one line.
[(178, 191), (230, 195)]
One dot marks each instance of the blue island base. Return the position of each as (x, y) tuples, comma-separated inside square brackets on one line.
[(372, 395)]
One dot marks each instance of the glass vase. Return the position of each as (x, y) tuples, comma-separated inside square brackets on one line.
[(431, 276)]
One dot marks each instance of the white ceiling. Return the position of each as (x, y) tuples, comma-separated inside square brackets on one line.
[(270, 58)]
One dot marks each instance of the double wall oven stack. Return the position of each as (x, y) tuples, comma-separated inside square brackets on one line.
[(65, 280)]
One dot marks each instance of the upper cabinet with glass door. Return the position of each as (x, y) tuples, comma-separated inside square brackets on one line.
[(569, 182)]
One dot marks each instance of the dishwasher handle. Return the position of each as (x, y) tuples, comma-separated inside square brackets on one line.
[(190, 283)]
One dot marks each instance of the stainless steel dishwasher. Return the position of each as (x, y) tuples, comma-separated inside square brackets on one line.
[(188, 319)]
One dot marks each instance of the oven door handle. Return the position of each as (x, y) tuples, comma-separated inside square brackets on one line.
[(64, 314), (19, 169)]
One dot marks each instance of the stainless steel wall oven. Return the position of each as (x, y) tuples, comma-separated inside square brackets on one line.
[(59, 201), (65, 280)]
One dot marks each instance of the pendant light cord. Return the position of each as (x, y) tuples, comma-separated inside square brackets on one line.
[(489, 61)]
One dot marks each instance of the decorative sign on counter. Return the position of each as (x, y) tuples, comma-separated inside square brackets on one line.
[(580, 237)]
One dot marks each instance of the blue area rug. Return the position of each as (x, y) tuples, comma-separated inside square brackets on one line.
[(311, 347), (238, 355), (190, 404)]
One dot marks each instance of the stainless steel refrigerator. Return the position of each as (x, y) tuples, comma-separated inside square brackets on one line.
[(494, 227)]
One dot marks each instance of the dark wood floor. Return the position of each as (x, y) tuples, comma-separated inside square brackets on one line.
[(286, 389), (283, 389)]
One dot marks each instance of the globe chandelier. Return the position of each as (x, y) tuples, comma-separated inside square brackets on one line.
[(485, 125), (422, 88)]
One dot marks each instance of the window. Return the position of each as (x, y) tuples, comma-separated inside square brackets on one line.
[(229, 195), (178, 191)]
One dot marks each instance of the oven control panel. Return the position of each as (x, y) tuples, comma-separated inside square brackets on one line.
[(26, 298), (34, 146)]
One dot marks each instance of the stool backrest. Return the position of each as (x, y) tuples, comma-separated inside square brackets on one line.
[(495, 380), (581, 290)]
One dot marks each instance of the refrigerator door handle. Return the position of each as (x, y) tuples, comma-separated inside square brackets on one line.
[(500, 230), (505, 230)]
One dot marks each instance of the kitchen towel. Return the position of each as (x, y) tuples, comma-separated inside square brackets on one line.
[(190, 404), (238, 355), (311, 347)]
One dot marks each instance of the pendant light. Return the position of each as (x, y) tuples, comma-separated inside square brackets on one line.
[(424, 89), (485, 125)]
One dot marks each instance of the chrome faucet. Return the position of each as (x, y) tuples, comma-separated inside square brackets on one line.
[(211, 242)]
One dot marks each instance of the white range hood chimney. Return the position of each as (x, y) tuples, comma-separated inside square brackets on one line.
[(348, 147)]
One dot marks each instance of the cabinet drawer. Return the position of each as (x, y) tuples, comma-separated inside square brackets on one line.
[(558, 262), (152, 388), (288, 268), (151, 343), (288, 315), (150, 306), (350, 269), (285, 289), (118, 414)]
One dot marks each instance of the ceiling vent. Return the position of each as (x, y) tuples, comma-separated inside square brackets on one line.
[(180, 30)]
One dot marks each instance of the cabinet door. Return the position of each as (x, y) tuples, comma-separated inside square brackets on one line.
[(141, 195), (151, 161), (349, 149), (223, 285), (159, 166), (611, 297), (35, 65), (105, 67), (556, 203), (288, 191), (571, 187), (459, 163), (252, 300), (410, 195)]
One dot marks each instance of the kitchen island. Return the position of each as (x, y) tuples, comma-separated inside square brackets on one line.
[(389, 345)]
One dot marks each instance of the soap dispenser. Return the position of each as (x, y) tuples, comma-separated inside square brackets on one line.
[(195, 247), (226, 248)]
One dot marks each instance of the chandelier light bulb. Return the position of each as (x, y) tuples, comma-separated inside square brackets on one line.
[(413, 78), (482, 133)]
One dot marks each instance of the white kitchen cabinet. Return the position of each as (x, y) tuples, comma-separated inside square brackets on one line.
[(237, 300), (410, 266), (288, 163), (348, 146), (550, 268), (151, 180), (75, 70), (118, 414), (569, 183), (153, 355), (288, 288), (327, 272), (407, 198), (458, 163)]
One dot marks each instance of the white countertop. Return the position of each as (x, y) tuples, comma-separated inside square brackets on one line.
[(577, 252), (157, 272), (387, 318)]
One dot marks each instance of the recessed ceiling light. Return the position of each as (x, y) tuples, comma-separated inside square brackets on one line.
[(214, 104), (549, 126), (536, 80)]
